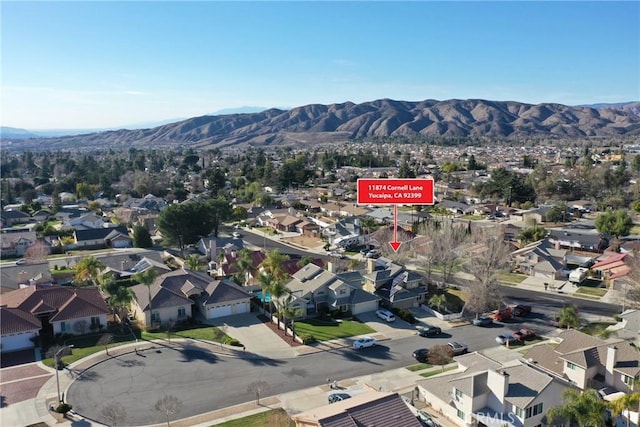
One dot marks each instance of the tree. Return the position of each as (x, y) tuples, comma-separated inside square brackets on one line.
[(274, 264), (439, 301), (258, 387), (440, 355), (194, 262), (266, 282), (584, 408), (105, 340), (88, 270), (277, 291), (168, 405), (244, 263), (532, 234), (146, 278), (141, 237), (617, 223), (623, 404), (219, 211), (37, 252), (291, 312), (569, 317), (556, 213), (120, 297), (239, 213), (114, 413)]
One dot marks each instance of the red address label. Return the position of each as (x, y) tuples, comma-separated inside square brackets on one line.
[(395, 191)]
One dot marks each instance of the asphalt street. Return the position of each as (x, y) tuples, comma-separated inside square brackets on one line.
[(205, 381)]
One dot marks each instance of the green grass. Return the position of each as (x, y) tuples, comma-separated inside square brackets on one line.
[(419, 367), (473, 217), (596, 329), (438, 371), (635, 229), (511, 278), (274, 417), (331, 330), (207, 333), (592, 292)]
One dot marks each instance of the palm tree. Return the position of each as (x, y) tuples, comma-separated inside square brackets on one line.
[(193, 262), (584, 408), (88, 270), (569, 317), (146, 278), (439, 301), (290, 312), (277, 291), (274, 264), (244, 262), (624, 403), (266, 283), (119, 300)]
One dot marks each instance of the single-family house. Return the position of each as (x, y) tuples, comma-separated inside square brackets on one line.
[(40, 215), (579, 239), (16, 241), (588, 362), (98, 238), (456, 208), (173, 296), (214, 247), (148, 203), (60, 310), (228, 267), (484, 392), (540, 259), (10, 218), (13, 277), (394, 285), (88, 220), (316, 290), (628, 328), (612, 267), (373, 408)]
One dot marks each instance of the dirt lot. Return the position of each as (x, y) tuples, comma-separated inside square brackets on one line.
[(305, 241)]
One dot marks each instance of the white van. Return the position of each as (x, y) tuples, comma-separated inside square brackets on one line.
[(385, 315)]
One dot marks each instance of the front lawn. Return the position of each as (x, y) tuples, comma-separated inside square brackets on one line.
[(274, 417), (511, 278), (206, 333), (592, 292), (438, 371), (419, 367), (326, 330), (597, 329)]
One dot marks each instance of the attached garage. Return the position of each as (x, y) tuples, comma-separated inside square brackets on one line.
[(215, 312), (18, 329), (226, 299), (241, 307), (20, 341)]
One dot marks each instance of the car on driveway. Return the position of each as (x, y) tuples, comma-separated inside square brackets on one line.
[(236, 235), (386, 315), (483, 321), (524, 334), (506, 339), (425, 419), (374, 253), (430, 331), (338, 397), (334, 254), (421, 355), (521, 310), (364, 342), (504, 315), (458, 348)]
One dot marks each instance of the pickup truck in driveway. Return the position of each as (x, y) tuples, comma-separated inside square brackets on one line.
[(504, 315)]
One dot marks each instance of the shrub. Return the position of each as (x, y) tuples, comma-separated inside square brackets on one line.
[(63, 408), (308, 339), (404, 315), (232, 341)]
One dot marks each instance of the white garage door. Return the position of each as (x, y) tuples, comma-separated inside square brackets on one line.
[(241, 307), (17, 342), (225, 310)]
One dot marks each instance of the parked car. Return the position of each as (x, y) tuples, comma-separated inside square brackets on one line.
[(425, 419), (421, 355), (21, 261), (338, 397), (385, 315), (504, 314), (430, 331), (483, 321), (364, 342), (521, 310), (506, 339), (236, 235), (373, 253), (458, 348), (524, 334), (366, 249), (335, 254)]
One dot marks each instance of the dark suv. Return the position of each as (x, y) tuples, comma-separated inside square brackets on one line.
[(430, 331)]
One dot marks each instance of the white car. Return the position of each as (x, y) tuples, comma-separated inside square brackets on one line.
[(335, 254), (385, 315), (364, 342), (236, 235)]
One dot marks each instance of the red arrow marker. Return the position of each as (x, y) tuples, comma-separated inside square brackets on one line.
[(395, 245)]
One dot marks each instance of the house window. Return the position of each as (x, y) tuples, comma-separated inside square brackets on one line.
[(572, 366), (95, 322), (343, 291), (520, 412), (627, 380), (65, 327), (182, 312), (460, 414), (533, 410), (155, 316), (459, 395)]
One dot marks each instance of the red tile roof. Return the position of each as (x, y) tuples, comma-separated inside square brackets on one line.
[(15, 321)]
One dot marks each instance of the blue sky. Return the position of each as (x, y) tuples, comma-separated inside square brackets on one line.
[(101, 64)]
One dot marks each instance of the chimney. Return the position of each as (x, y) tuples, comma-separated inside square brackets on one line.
[(612, 358), (331, 267), (498, 383), (557, 245), (371, 265), (213, 251)]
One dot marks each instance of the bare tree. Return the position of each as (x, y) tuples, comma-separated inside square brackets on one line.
[(37, 253), (168, 405), (440, 355), (446, 243), (258, 387), (105, 340), (485, 260), (114, 413)]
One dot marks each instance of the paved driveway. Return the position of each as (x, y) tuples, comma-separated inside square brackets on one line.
[(253, 334), (395, 329)]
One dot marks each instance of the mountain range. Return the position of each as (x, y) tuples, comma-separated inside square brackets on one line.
[(317, 123)]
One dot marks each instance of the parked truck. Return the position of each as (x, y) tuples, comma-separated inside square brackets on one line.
[(578, 275)]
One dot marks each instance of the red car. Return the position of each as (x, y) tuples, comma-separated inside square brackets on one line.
[(524, 334), (505, 314)]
